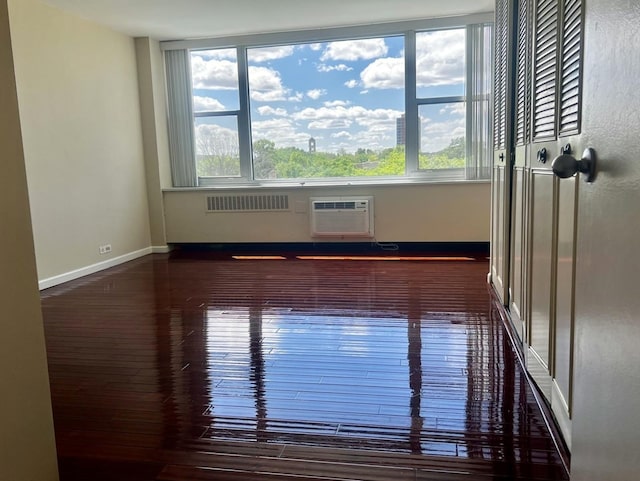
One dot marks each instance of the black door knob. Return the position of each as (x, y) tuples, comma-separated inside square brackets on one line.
[(566, 165)]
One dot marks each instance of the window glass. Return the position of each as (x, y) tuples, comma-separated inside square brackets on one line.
[(217, 148), (327, 109), (440, 63), (442, 136), (214, 77), (337, 109), (215, 90)]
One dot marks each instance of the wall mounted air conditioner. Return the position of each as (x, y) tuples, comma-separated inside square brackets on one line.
[(342, 217)]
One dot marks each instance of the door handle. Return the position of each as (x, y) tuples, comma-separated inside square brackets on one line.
[(541, 156), (566, 165)]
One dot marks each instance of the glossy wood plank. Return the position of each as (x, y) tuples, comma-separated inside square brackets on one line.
[(192, 366)]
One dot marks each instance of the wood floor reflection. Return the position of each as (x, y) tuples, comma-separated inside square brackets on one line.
[(187, 367)]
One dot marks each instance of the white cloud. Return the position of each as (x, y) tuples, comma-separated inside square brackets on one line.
[(315, 94), (269, 53), (368, 128), (458, 108), (213, 129), (355, 50), (206, 104), (324, 124), (437, 135), (221, 53), (440, 61), (282, 131), (315, 46), (367, 139), (351, 83), (337, 103), (440, 57), (214, 74), (262, 125), (384, 73), (297, 97), (343, 134), (358, 114), (329, 68), (266, 85), (267, 110)]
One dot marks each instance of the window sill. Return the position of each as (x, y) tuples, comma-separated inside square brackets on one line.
[(311, 184)]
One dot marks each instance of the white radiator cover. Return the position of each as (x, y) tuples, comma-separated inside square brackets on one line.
[(342, 217)]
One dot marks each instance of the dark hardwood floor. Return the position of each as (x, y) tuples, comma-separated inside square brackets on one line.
[(191, 367)]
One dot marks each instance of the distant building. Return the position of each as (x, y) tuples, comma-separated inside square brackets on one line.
[(312, 144), (401, 131)]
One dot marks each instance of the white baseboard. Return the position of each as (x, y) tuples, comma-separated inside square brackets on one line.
[(100, 266), (561, 410), (161, 249)]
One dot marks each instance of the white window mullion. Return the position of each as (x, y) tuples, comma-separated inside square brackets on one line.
[(412, 136), (470, 94), (244, 120)]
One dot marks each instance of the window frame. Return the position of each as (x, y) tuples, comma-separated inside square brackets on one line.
[(406, 29), (437, 174)]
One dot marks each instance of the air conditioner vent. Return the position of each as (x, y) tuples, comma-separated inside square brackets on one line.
[(247, 203), (342, 217), (318, 205)]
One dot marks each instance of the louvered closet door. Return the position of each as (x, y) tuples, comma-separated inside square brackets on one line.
[(542, 200), (568, 125), (550, 203), (502, 143), (519, 188)]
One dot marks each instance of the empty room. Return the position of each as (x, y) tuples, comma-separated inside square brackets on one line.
[(280, 240)]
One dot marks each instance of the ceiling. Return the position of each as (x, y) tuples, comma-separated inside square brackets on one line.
[(182, 19)]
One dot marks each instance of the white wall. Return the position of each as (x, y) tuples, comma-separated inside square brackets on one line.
[(454, 212), (80, 112), (27, 446), (154, 131)]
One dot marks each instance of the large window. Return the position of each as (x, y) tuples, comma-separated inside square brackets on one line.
[(388, 107)]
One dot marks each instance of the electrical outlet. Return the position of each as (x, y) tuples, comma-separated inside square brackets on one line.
[(105, 249)]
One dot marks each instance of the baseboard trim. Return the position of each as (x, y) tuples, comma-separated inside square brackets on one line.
[(93, 268), (161, 249), (474, 249), (563, 416)]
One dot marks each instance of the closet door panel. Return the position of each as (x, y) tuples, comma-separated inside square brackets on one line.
[(542, 263)]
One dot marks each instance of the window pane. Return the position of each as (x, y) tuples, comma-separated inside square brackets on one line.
[(440, 63), (327, 109), (442, 136), (217, 150), (214, 76)]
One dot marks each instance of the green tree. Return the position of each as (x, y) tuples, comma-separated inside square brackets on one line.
[(451, 157), (217, 166), (389, 162), (264, 159)]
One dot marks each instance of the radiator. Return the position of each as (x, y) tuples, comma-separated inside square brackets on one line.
[(342, 217), (247, 203)]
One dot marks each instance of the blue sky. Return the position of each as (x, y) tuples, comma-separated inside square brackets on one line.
[(347, 94)]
